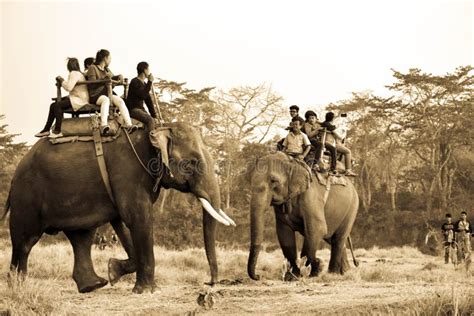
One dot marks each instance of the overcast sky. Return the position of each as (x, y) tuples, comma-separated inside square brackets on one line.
[(311, 52)]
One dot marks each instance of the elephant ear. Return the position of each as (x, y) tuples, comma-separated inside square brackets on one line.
[(161, 139), (299, 180)]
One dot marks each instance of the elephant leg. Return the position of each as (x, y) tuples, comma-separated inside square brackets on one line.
[(83, 273), (287, 240), (118, 268), (24, 235), (141, 230), (338, 262), (315, 228), (304, 252)]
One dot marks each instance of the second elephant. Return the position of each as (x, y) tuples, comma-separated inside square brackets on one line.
[(300, 205)]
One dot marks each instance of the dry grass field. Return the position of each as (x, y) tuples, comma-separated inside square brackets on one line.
[(388, 281)]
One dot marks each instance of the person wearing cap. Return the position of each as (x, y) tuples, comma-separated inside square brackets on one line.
[(448, 235)]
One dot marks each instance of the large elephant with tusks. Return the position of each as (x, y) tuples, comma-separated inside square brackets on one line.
[(300, 204), (59, 188)]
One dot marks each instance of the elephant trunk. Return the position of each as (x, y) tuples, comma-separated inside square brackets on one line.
[(210, 200), (257, 208)]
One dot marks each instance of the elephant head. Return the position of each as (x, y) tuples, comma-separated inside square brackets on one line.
[(274, 181), (189, 167)]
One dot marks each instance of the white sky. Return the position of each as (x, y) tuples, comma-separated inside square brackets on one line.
[(311, 52)]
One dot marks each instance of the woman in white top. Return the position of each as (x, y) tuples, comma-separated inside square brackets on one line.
[(78, 97)]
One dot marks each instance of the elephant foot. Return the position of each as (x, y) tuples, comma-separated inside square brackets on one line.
[(315, 268), (91, 286), (118, 268), (115, 271), (336, 269), (144, 288), (340, 268)]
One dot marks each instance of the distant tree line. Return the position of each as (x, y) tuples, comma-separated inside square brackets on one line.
[(413, 152)]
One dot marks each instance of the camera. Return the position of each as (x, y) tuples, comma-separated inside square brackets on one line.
[(343, 114)]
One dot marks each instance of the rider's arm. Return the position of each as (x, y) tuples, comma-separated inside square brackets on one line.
[(307, 129), (306, 151), (306, 144), (285, 143), (72, 79)]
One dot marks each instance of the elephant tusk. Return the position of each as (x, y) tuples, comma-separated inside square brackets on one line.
[(208, 207), (226, 217)]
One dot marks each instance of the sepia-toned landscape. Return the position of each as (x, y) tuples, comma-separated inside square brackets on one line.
[(191, 152)]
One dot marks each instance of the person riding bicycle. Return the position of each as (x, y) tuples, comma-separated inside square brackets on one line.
[(448, 233), (463, 230)]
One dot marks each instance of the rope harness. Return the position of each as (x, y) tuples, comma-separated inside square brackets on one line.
[(99, 152)]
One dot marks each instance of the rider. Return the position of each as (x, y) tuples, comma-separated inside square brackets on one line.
[(294, 109), (138, 92), (78, 97), (98, 93), (330, 141), (463, 229), (89, 61), (448, 233), (334, 144), (312, 128), (296, 143)]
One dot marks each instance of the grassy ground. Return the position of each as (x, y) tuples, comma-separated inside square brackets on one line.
[(388, 281)]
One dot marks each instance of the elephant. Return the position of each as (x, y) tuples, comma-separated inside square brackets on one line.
[(59, 188), (301, 204)]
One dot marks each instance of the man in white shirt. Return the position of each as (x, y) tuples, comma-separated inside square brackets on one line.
[(296, 143)]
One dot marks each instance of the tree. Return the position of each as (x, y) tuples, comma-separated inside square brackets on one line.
[(246, 114), (437, 118), (10, 155)]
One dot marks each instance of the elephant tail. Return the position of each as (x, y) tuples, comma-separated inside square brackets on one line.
[(356, 262), (6, 208)]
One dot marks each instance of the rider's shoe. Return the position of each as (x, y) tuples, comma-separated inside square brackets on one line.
[(42, 134), (55, 135), (350, 173)]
